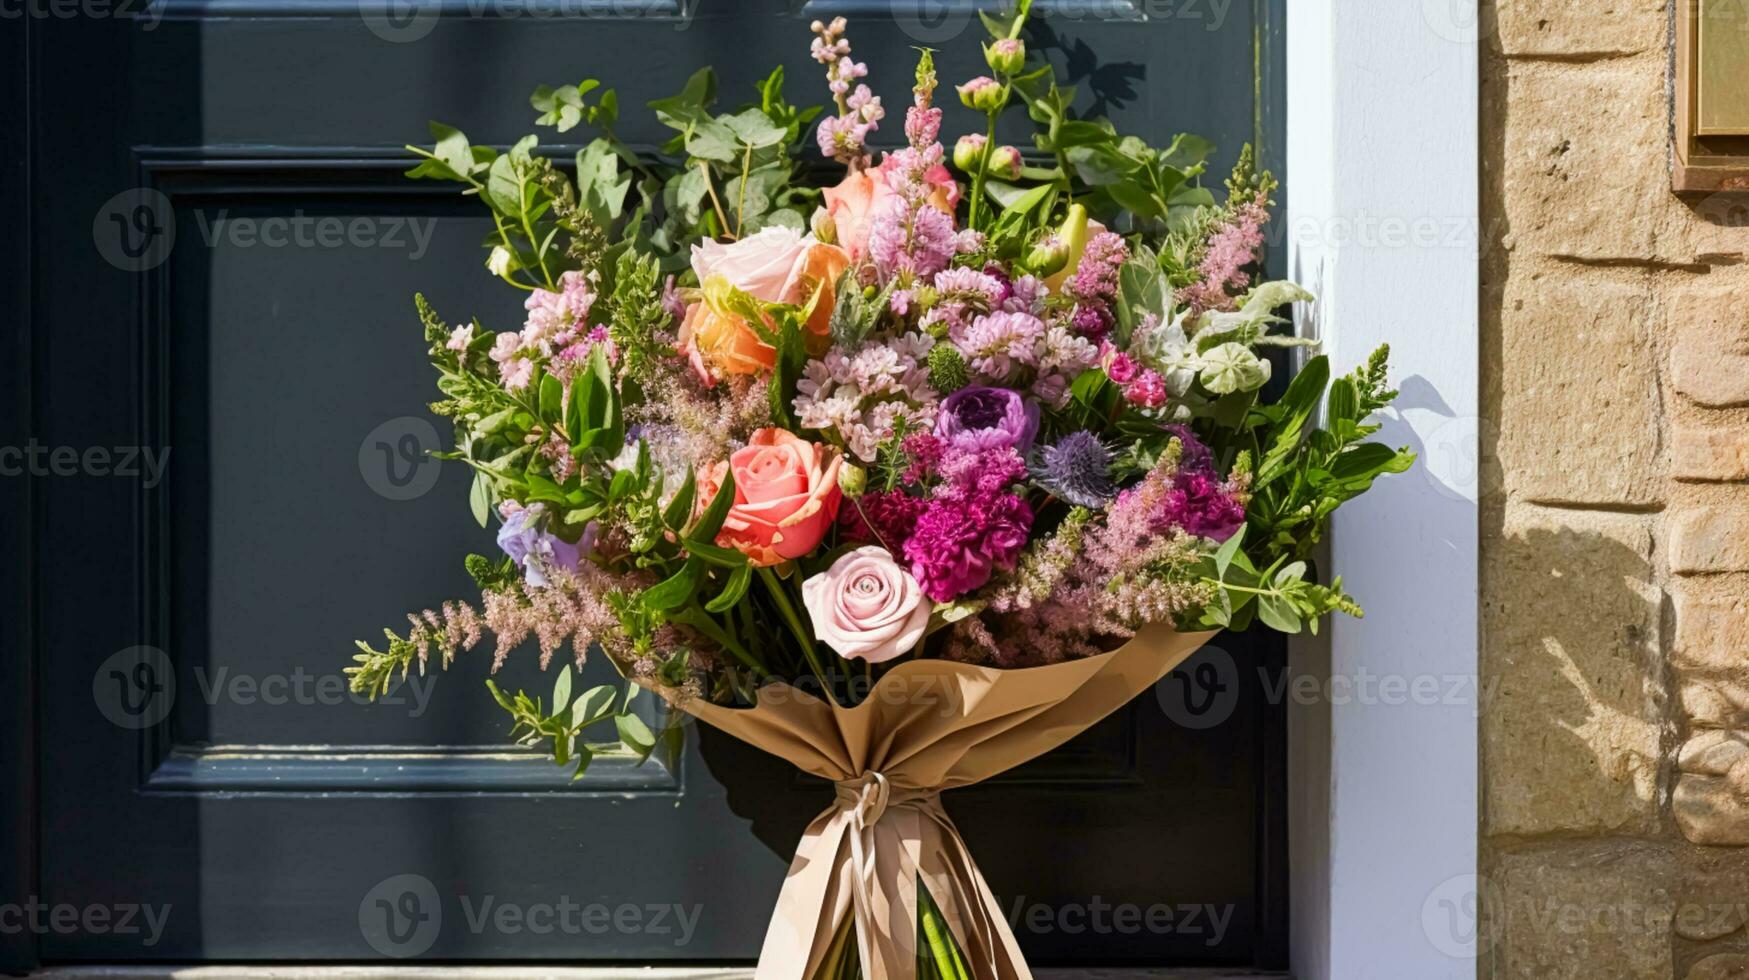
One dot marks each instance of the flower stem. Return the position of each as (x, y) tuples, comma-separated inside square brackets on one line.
[(781, 595), (710, 186), (984, 165)]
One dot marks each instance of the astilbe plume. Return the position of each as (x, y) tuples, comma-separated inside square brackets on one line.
[(1091, 585), (1230, 250), (684, 422)]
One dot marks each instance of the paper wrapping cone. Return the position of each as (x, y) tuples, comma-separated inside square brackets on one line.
[(927, 726)]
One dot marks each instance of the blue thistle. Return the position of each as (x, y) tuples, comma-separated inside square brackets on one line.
[(1077, 469)]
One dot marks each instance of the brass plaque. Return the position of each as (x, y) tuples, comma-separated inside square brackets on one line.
[(1722, 69)]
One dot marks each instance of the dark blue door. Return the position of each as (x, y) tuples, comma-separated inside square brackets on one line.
[(215, 384)]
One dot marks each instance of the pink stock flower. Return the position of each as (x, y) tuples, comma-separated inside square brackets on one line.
[(866, 607)]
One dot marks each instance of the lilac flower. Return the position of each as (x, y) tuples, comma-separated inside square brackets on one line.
[(1077, 469), (988, 418), (540, 553)]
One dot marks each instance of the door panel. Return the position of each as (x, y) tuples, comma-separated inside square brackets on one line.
[(225, 255)]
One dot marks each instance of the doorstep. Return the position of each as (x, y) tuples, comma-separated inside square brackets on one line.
[(534, 972)]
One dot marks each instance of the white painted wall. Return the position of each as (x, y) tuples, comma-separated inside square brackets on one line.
[(1382, 168)]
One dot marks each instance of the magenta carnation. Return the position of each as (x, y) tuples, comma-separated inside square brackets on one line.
[(958, 544)]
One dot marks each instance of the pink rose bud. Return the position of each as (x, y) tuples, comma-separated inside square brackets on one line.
[(866, 606)]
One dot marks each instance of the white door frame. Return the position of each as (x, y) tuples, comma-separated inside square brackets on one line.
[(1382, 218)]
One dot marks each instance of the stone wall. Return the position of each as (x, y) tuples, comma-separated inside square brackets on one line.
[(1615, 732)]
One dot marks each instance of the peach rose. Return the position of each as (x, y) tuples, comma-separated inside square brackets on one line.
[(776, 265), (852, 203), (786, 496)]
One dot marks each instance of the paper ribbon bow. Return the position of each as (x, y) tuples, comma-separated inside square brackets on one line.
[(927, 726)]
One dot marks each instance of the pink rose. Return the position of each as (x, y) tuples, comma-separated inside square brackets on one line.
[(866, 606), (786, 496), (852, 203)]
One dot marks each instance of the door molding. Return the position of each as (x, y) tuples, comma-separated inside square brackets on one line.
[(18, 805), (1383, 151)]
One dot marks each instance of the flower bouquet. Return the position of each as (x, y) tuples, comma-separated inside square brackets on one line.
[(907, 479)]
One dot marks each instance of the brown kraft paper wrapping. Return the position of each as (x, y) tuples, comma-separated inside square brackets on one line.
[(928, 726)]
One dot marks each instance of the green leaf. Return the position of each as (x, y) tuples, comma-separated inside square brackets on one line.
[(734, 590), (451, 148), (592, 706), (480, 498), (714, 554), (584, 757), (1278, 613), (635, 734), (711, 521), (1343, 403), (753, 128), (712, 139), (1224, 555), (552, 397), (676, 590), (503, 189), (562, 690), (679, 510)]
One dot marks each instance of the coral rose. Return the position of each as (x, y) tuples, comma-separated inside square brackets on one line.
[(852, 203), (776, 265), (786, 496), (866, 606)]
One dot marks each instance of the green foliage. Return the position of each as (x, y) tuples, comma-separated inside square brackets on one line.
[(560, 724), (1304, 472), (1280, 595)]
